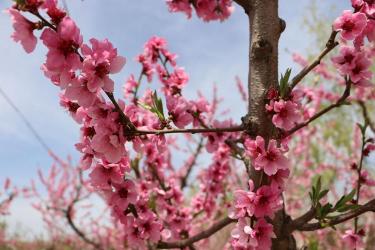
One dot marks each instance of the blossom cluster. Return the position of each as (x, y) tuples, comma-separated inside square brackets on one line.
[(354, 60), (133, 180), (207, 10), (132, 170), (261, 201)]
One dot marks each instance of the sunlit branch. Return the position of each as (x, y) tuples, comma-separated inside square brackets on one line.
[(330, 45)]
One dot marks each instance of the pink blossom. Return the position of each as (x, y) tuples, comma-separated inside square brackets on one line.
[(353, 240), (130, 86), (350, 24), (243, 235), (100, 61), (124, 194), (104, 174), (214, 10), (178, 108), (23, 30), (199, 107), (62, 45), (257, 238), (280, 177), (365, 6), (366, 179), (266, 201), (270, 160), (345, 60), (264, 234), (78, 91), (110, 145), (180, 6), (55, 13), (154, 47), (361, 69), (286, 114), (150, 229), (244, 204), (175, 82), (262, 202)]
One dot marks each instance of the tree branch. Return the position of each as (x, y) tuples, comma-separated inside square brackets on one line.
[(368, 207), (330, 45), (192, 163), (76, 230), (366, 116), (302, 220), (202, 235), (189, 130), (359, 171)]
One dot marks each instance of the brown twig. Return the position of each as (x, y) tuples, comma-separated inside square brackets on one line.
[(330, 45), (192, 163), (202, 235), (68, 214), (359, 172), (366, 116), (368, 207)]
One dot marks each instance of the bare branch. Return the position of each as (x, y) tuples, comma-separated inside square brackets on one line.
[(202, 235), (68, 214), (366, 116), (330, 45), (192, 163)]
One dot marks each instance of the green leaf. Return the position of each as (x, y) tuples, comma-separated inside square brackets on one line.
[(156, 106), (319, 185), (323, 193), (344, 199), (284, 79), (348, 207)]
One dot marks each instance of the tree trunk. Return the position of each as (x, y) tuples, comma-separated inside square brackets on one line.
[(265, 30)]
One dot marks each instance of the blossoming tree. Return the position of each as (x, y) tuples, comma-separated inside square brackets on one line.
[(127, 144)]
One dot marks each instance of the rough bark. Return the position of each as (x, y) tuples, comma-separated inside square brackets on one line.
[(265, 30)]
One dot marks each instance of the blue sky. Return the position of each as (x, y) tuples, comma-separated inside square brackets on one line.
[(210, 52)]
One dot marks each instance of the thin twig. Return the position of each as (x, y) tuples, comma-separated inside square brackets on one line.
[(330, 45), (192, 163), (366, 116), (359, 172)]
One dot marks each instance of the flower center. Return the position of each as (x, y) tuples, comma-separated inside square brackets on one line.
[(348, 25), (123, 193)]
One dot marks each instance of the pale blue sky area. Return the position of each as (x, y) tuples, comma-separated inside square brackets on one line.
[(210, 52)]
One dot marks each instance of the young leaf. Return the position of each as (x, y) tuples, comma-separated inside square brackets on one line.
[(284, 82)]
